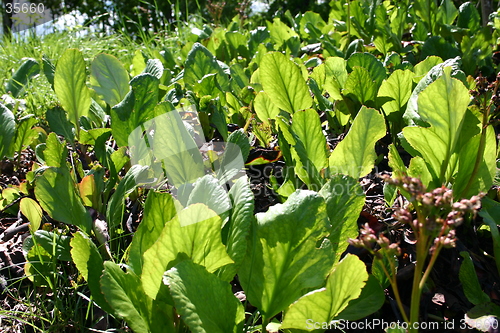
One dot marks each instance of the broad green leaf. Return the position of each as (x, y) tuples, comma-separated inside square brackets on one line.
[(265, 108), (447, 12), (344, 199), (59, 124), (194, 233), (39, 267), (154, 67), (138, 63), (438, 46), (442, 105), (398, 88), (109, 78), (7, 131), (280, 32), (470, 282), (368, 61), (174, 146), (303, 166), (55, 152), (87, 259), (335, 76), (242, 200), (205, 303), (360, 86), (307, 126), (88, 192), (70, 87), (56, 193), (323, 305), (490, 212), (423, 67), (468, 17), (158, 210), (241, 142), (55, 244), (136, 108), (411, 114), (208, 191), (371, 299), (28, 69), (467, 185), (124, 293), (25, 133), (116, 205), (355, 155), (283, 259), (31, 209), (283, 82), (199, 63)]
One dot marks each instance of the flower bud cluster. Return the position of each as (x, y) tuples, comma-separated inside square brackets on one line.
[(368, 238), (437, 213)]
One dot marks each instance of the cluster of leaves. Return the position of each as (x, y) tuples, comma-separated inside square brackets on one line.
[(286, 86)]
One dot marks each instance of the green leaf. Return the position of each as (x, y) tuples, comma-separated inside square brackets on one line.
[(411, 115), (483, 179), (355, 155), (25, 134), (59, 123), (70, 87), (344, 199), (87, 259), (194, 233), (28, 69), (438, 46), (242, 201), (490, 212), (335, 76), (208, 191), (371, 299), (368, 61), (116, 205), (7, 131), (442, 105), (56, 193), (55, 244), (33, 212), (265, 108), (55, 152), (124, 293), (241, 142), (158, 210), (360, 86), (470, 282), (307, 126), (323, 305), (174, 146), (109, 78), (136, 108), (199, 63), (283, 259), (468, 17), (205, 303), (154, 67), (398, 88), (283, 82)]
